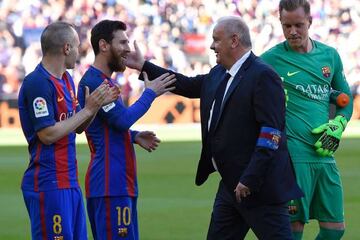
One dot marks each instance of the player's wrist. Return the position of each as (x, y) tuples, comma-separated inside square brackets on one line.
[(342, 120), (87, 112), (141, 65)]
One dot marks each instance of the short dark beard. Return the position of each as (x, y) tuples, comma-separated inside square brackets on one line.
[(113, 63)]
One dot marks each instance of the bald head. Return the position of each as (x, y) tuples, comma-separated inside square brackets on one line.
[(55, 36), (235, 25)]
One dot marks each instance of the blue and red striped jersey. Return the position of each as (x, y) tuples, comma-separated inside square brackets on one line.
[(112, 167), (43, 101)]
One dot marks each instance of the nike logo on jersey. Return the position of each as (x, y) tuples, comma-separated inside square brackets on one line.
[(289, 74), (59, 99)]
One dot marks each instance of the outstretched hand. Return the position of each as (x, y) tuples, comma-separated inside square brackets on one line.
[(147, 140), (94, 101), (135, 59), (161, 84), (101, 96), (112, 94)]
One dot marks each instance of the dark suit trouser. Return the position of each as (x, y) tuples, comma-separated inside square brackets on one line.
[(231, 220)]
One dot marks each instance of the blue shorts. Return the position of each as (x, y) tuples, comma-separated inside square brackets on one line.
[(113, 218), (56, 214)]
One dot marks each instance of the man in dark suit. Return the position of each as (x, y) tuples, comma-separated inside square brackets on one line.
[(242, 105)]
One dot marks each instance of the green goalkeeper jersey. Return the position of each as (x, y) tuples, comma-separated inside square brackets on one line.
[(308, 79)]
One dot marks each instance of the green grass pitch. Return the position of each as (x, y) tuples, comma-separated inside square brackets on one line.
[(170, 205)]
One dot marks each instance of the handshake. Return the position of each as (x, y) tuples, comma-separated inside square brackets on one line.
[(329, 141)]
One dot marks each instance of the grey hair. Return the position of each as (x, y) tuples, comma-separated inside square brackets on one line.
[(54, 36), (235, 25)]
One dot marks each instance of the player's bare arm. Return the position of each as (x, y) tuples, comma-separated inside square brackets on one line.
[(94, 101), (111, 96)]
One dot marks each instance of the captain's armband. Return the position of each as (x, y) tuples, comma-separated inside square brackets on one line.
[(269, 138)]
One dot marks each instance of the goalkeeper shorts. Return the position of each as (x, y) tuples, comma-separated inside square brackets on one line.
[(323, 193)]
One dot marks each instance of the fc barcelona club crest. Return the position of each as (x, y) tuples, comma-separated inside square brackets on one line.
[(123, 232), (326, 71)]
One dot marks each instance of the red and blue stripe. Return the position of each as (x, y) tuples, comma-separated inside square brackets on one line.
[(269, 138)]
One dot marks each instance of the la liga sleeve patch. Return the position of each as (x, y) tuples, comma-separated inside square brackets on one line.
[(269, 138), (108, 107), (40, 107)]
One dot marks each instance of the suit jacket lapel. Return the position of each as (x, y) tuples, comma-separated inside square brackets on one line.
[(236, 81), (209, 99)]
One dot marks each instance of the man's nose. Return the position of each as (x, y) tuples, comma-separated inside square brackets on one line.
[(127, 48), (293, 30)]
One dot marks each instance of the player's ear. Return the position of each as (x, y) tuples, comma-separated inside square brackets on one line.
[(310, 20), (103, 45), (67, 49), (235, 40)]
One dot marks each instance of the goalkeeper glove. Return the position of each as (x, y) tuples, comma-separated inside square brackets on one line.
[(329, 141)]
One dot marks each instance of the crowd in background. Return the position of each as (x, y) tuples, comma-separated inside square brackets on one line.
[(174, 33)]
